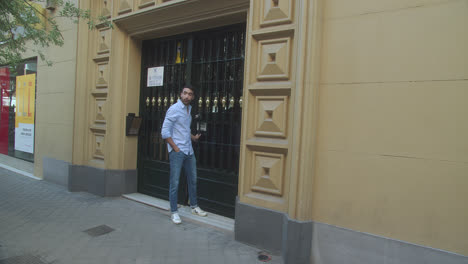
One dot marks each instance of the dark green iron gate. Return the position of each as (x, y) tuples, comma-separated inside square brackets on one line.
[(213, 62)]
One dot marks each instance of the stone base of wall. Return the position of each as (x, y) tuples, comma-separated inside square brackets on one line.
[(333, 245), (317, 243), (274, 231), (56, 171), (102, 182)]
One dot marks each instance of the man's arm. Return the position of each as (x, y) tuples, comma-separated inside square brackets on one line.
[(172, 144), (166, 131)]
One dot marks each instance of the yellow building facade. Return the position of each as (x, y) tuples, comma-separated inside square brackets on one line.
[(353, 145), (52, 107)]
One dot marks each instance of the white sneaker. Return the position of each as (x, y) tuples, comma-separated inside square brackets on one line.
[(198, 211), (176, 218)]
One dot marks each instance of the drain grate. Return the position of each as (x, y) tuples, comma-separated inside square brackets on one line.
[(99, 230), (25, 259)]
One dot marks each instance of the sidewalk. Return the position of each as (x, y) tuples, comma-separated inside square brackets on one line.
[(43, 223)]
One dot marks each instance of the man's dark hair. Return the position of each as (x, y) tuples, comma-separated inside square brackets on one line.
[(189, 86)]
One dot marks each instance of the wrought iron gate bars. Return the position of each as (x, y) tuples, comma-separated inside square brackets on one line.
[(213, 61)]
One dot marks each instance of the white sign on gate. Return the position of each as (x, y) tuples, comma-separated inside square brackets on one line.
[(155, 76)]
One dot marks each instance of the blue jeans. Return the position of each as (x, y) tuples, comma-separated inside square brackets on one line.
[(177, 160)]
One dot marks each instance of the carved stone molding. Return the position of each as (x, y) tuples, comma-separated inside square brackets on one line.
[(146, 3), (275, 12), (105, 6), (104, 41), (101, 92), (125, 6), (271, 116), (273, 61), (102, 76), (268, 183), (268, 173), (100, 111), (98, 146), (98, 128), (174, 17), (271, 86)]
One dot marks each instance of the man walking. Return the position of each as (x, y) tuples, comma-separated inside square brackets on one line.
[(176, 132)]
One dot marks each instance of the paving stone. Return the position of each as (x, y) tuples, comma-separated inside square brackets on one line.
[(24, 259), (44, 219)]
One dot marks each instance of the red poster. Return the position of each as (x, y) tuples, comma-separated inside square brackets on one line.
[(4, 108)]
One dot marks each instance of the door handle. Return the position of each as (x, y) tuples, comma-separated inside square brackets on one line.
[(215, 105), (223, 101)]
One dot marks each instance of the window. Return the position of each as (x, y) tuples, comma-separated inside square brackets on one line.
[(17, 107)]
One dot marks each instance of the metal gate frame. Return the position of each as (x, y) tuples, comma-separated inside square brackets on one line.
[(215, 68)]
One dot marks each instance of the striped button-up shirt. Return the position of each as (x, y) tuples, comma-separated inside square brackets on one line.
[(177, 126)]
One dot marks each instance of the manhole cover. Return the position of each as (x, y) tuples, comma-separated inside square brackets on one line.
[(264, 257), (99, 230), (25, 259)]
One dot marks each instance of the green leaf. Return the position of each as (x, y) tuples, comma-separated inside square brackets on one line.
[(22, 22)]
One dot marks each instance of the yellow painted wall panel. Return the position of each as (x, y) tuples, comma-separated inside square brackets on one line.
[(423, 43), (426, 43), (393, 140), (66, 23), (65, 53), (58, 146), (414, 119), (55, 108), (59, 78), (343, 8), (350, 50), (415, 200), (55, 99)]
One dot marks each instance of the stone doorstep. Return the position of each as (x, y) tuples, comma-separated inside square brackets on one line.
[(216, 221)]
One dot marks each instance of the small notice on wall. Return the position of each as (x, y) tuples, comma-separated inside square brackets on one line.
[(24, 137), (155, 76)]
